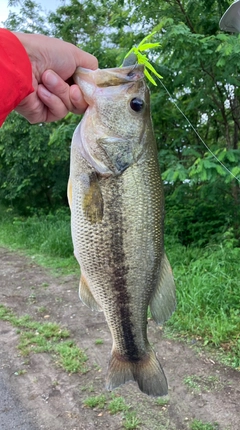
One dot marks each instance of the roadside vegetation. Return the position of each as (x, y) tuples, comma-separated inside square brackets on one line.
[(44, 237), (199, 66), (207, 279), (115, 404), (36, 337)]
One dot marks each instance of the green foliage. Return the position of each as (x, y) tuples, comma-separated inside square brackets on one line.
[(30, 18), (200, 215), (33, 171), (96, 27), (47, 238), (41, 233), (208, 296), (200, 69), (208, 95), (207, 278)]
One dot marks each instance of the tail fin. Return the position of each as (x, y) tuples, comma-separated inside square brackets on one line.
[(147, 372)]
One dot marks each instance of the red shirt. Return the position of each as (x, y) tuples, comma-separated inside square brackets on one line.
[(15, 73)]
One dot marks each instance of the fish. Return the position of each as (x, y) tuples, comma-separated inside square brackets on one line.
[(115, 194)]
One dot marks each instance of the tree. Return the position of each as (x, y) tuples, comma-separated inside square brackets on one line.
[(30, 19), (34, 168), (200, 69), (197, 101)]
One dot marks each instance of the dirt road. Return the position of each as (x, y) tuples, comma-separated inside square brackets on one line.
[(51, 399)]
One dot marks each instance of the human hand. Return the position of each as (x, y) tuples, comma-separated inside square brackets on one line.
[(53, 62)]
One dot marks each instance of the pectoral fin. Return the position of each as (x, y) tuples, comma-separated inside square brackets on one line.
[(163, 301), (118, 151), (92, 199), (86, 295)]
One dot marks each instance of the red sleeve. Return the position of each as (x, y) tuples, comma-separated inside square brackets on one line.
[(15, 73)]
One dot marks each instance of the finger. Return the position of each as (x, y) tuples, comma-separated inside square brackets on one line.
[(77, 99), (32, 109), (61, 89), (86, 60), (56, 108)]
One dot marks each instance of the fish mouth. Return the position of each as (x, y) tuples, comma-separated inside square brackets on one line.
[(110, 77)]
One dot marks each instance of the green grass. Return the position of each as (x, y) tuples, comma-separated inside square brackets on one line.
[(207, 279), (46, 238), (117, 404), (71, 358), (95, 401), (20, 372), (42, 310), (199, 425), (162, 401), (192, 382), (98, 342), (208, 297), (48, 337), (131, 421), (202, 383), (114, 405)]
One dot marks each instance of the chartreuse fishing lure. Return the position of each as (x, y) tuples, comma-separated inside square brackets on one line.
[(142, 58)]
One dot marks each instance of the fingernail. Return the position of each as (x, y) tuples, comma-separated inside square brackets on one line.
[(50, 78), (75, 93), (44, 91)]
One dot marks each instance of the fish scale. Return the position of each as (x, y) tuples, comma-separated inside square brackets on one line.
[(117, 210)]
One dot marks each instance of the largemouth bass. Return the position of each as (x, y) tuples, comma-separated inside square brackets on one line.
[(116, 198)]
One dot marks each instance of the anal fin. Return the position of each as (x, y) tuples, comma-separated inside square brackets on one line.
[(163, 300), (86, 295)]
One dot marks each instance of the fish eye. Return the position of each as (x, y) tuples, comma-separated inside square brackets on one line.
[(137, 104)]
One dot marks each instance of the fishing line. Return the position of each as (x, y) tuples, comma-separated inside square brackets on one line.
[(195, 131)]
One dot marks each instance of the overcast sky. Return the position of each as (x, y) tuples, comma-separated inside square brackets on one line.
[(46, 4)]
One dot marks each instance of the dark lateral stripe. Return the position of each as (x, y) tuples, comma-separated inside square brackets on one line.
[(120, 271)]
